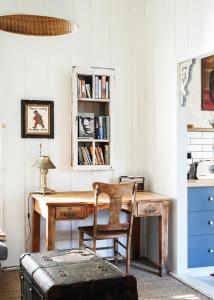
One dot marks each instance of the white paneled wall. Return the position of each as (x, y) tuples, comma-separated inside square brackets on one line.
[(109, 35)]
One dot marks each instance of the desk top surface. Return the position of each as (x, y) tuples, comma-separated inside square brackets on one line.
[(87, 197)]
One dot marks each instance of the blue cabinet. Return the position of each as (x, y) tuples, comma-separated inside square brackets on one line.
[(200, 227)]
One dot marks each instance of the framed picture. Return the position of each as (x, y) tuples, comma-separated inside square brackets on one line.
[(86, 125), (37, 119), (207, 82)]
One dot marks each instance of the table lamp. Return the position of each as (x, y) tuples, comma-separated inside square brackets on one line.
[(44, 164)]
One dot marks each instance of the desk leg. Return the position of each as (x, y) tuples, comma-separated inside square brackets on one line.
[(50, 229), (136, 238), (35, 231), (163, 240)]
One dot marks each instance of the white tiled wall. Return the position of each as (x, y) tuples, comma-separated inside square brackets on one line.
[(201, 146)]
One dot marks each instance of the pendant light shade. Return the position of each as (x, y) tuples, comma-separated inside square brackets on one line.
[(38, 17)]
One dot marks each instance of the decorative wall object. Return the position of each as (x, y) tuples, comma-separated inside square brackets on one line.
[(207, 79), (185, 78), (37, 119)]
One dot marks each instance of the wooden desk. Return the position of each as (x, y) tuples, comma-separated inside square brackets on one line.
[(78, 205)]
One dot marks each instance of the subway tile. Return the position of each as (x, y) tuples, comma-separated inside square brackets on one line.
[(201, 141), (191, 148), (196, 160), (208, 135), (194, 135), (207, 147), (202, 155)]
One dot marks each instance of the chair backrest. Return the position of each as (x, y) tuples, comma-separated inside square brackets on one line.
[(115, 192)]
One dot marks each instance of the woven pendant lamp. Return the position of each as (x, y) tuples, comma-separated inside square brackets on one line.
[(38, 17)]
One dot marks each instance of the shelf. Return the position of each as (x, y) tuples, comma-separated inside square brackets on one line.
[(197, 129), (92, 168), (93, 140), (93, 100)]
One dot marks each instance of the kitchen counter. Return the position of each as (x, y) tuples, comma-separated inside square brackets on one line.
[(200, 183)]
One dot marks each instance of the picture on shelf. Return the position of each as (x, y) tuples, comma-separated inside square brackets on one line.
[(86, 125)]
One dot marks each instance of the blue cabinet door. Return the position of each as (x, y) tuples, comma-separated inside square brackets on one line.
[(200, 251), (200, 198), (200, 222)]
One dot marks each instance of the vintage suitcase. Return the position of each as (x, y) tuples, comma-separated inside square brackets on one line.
[(73, 274)]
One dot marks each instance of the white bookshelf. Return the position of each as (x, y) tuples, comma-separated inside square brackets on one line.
[(92, 94)]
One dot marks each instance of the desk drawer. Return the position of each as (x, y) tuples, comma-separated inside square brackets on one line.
[(147, 209), (72, 212), (200, 222)]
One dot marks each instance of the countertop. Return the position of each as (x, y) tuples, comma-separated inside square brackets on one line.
[(200, 183)]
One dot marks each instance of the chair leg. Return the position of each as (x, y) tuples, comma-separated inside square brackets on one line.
[(94, 245), (116, 251), (128, 254), (81, 235)]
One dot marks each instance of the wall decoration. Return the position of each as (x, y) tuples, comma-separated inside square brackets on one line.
[(185, 78), (86, 125), (37, 119), (207, 82)]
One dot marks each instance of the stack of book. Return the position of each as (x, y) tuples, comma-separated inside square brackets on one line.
[(85, 156), (102, 127), (84, 89), (102, 155), (101, 87)]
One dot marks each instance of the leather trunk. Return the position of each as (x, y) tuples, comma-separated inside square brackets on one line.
[(75, 275)]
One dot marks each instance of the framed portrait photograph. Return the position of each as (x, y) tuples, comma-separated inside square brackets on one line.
[(37, 119), (86, 125), (207, 83)]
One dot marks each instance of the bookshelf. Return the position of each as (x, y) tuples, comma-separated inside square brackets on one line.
[(92, 94)]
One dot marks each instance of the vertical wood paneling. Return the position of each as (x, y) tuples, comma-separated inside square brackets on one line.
[(40, 68)]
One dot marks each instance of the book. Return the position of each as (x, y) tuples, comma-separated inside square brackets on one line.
[(99, 89), (99, 127), (107, 127), (88, 156), (97, 154), (103, 87), (80, 157), (88, 90), (100, 150), (107, 89), (83, 89), (85, 159), (96, 87), (106, 155), (86, 125)]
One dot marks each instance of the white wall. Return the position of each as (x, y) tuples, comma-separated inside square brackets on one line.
[(40, 68), (176, 30)]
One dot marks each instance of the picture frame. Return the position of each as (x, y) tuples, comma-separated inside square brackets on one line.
[(86, 127), (207, 83), (37, 119), (140, 180)]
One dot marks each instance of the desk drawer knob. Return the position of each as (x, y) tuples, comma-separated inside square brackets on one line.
[(150, 209), (70, 214), (210, 250), (211, 198), (210, 222)]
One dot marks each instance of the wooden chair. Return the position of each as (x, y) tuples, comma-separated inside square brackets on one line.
[(114, 229)]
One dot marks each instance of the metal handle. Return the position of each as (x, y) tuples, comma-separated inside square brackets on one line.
[(210, 250), (150, 209), (210, 222), (69, 214), (211, 198)]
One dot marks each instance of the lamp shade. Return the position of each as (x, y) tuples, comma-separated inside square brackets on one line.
[(38, 17), (44, 162)]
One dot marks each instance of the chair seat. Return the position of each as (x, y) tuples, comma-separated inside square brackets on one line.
[(107, 234)]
